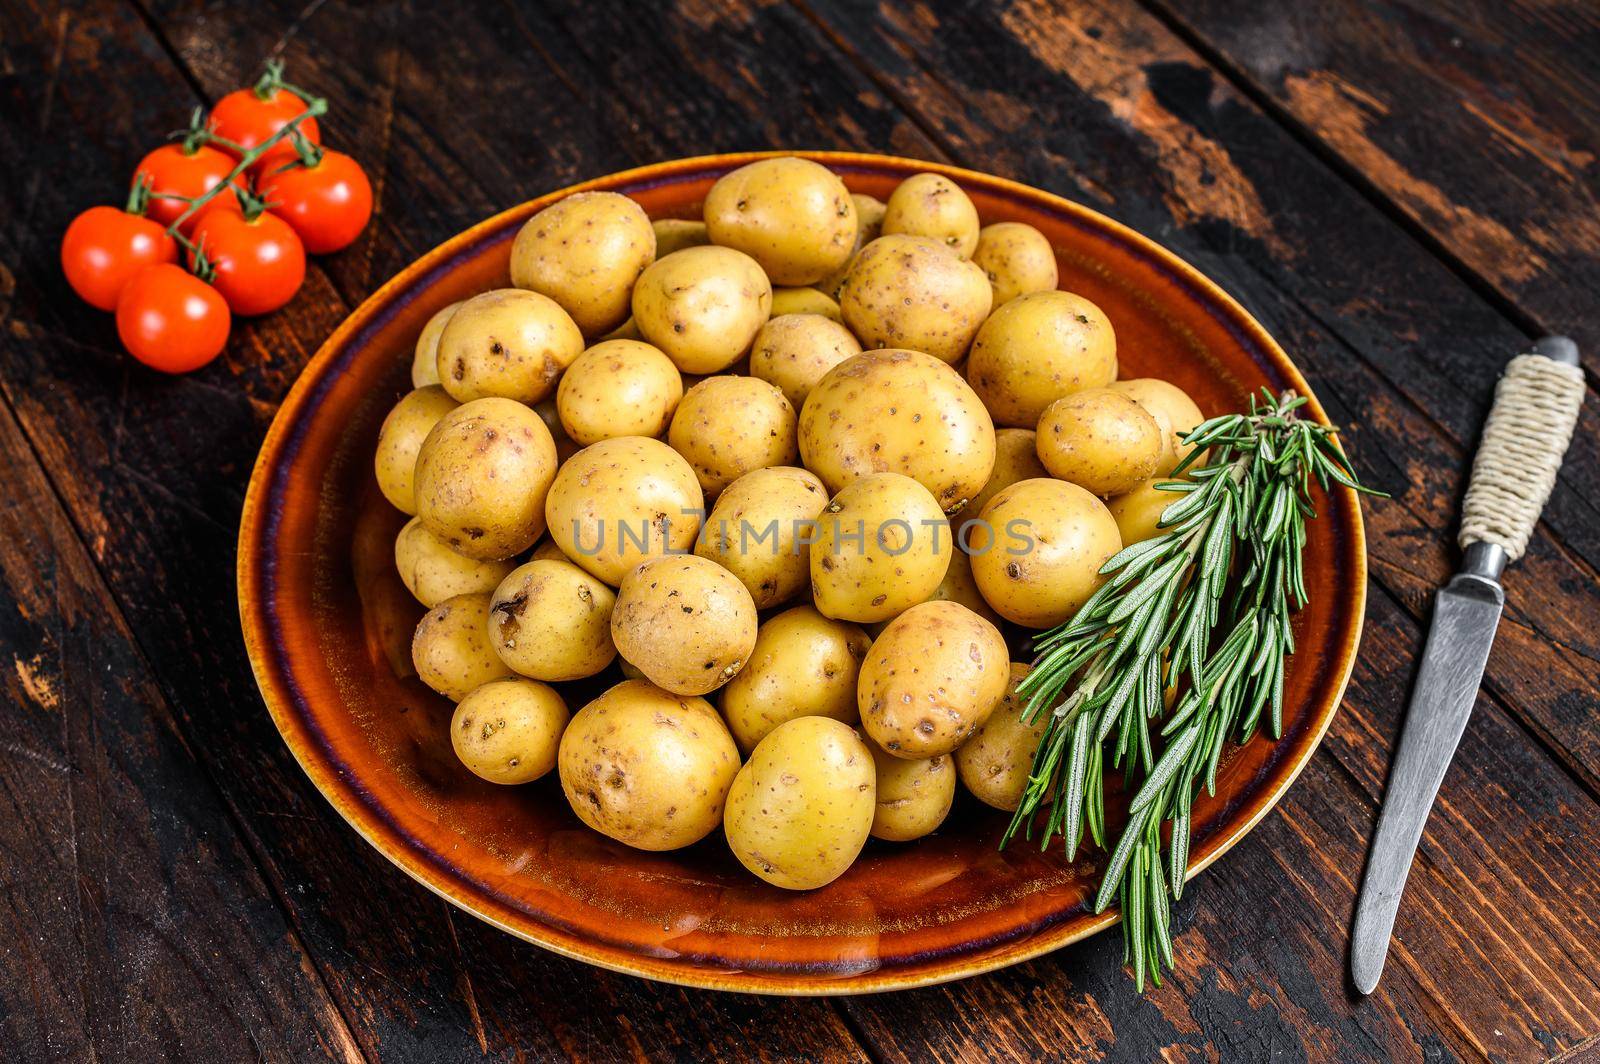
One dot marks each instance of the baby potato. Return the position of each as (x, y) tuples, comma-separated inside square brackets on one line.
[(451, 647), (425, 361), (899, 412), (686, 622), (618, 388), (882, 546), (622, 500), (1038, 548), (508, 343), (914, 796), (433, 572), (869, 227), (481, 479), (675, 234), (803, 665), (1138, 512), (995, 763), (550, 620), (702, 306), (961, 587), (800, 809), (1100, 440), (1017, 258), (648, 768), (1016, 457), (933, 676), (911, 291), (1037, 348), (795, 351), (509, 731), (727, 426), (932, 205), (399, 440), (585, 252), (793, 216), (804, 301), (761, 529), (1173, 410), (628, 330)]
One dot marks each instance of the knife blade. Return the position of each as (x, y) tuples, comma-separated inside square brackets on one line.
[(1465, 615)]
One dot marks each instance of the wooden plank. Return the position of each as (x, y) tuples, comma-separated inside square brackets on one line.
[(1479, 121), (139, 927)]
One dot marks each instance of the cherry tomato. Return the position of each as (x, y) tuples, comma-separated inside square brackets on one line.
[(247, 118), (173, 170), (260, 262), (172, 320), (104, 247), (328, 203)]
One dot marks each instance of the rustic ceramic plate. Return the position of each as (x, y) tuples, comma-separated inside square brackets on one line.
[(328, 625)]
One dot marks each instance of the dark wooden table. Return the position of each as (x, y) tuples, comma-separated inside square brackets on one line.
[(1404, 191)]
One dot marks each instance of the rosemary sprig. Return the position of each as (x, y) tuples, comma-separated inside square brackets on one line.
[(1177, 623)]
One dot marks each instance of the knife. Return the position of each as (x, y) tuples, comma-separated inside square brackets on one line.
[(1529, 427)]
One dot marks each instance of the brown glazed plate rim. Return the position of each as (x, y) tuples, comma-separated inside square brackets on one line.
[(275, 668)]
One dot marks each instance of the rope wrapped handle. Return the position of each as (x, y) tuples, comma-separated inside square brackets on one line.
[(1530, 425)]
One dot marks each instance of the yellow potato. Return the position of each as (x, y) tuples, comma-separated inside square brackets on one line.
[(482, 475), (1037, 348), (1173, 410), (869, 227), (508, 343), (882, 546), (994, 764), (618, 388), (933, 676), (803, 665), (451, 647), (910, 291), (761, 530), (648, 768), (961, 587), (1016, 457), (1138, 512), (804, 301), (1038, 549), (1100, 440), (622, 500), (547, 549), (702, 306), (675, 234), (899, 412), (914, 796), (550, 620), (795, 351), (793, 216), (585, 252), (628, 330), (1017, 258), (425, 361), (686, 622), (727, 426), (800, 809), (399, 440), (509, 731), (932, 205), (433, 572)]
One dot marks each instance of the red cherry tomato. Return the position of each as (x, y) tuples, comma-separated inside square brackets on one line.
[(172, 320), (260, 262), (247, 119), (175, 171), (104, 247), (328, 203)]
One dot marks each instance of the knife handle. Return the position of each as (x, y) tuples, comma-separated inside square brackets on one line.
[(1530, 425)]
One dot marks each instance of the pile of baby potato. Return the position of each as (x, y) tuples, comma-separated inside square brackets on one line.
[(823, 373)]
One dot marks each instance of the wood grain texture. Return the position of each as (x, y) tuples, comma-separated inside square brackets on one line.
[(1479, 121), (462, 110)]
